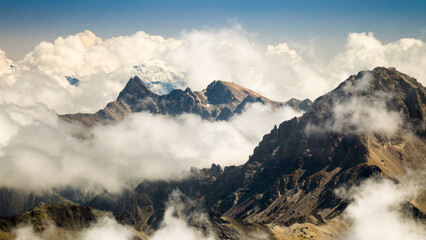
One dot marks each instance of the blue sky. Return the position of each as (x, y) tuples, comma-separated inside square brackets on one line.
[(25, 23)]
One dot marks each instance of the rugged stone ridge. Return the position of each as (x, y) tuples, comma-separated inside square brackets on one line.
[(219, 101), (292, 174)]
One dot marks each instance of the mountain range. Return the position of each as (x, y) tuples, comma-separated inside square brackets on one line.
[(219, 101), (287, 187)]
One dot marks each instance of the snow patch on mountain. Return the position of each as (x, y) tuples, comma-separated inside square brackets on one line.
[(160, 77)]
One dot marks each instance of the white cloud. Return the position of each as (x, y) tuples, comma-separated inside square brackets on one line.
[(107, 228), (359, 115), (282, 49), (175, 226), (364, 51), (4, 63), (224, 54), (85, 54), (7, 128), (39, 150), (26, 233), (177, 229), (375, 212), (228, 54)]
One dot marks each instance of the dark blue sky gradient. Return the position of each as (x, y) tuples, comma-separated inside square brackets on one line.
[(24, 23)]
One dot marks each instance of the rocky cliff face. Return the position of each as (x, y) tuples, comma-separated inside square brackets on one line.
[(219, 101), (292, 174)]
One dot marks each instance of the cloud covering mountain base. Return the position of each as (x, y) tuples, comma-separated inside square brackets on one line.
[(42, 151)]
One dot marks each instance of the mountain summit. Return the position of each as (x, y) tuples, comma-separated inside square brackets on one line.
[(135, 89), (219, 101)]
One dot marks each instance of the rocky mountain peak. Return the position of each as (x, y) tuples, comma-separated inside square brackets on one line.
[(218, 93), (381, 90), (135, 88), (298, 104), (378, 79)]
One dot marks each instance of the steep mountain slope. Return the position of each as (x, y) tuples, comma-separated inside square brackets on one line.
[(373, 124), (294, 170), (219, 101)]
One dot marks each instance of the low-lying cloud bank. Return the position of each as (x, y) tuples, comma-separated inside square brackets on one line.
[(38, 150), (376, 211)]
